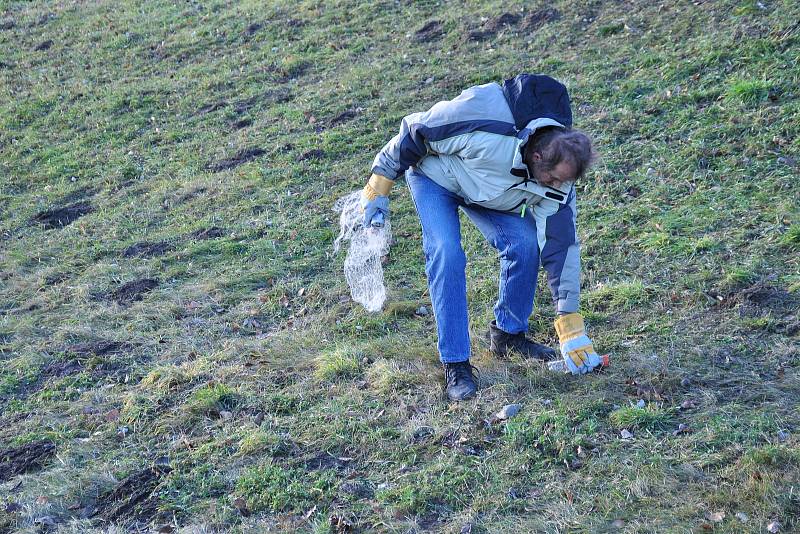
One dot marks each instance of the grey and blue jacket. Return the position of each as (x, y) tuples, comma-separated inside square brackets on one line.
[(472, 145)]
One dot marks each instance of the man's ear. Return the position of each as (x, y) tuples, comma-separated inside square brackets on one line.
[(536, 157)]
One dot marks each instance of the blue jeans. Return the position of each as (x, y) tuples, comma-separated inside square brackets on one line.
[(513, 236)]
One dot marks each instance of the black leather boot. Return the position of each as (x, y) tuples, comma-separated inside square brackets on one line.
[(460, 380), (501, 342)]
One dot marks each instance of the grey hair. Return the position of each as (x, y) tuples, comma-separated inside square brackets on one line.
[(556, 144)]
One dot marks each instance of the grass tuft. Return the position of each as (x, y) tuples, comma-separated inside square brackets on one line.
[(273, 488), (618, 297), (338, 364), (651, 417), (749, 91), (211, 400), (791, 239)]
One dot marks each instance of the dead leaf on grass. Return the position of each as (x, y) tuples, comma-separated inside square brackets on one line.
[(241, 505), (716, 517), (682, 429)]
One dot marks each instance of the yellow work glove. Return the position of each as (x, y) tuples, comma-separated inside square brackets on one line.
[(576, 347), (375, 200)]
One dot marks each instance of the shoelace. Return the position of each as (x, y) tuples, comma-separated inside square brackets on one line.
[(461, 371)]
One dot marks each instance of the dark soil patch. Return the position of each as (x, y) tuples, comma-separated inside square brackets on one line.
[(238, 125), (133, 500), (540, 17), (56, 278), (240, 158), (252, 29), (29, 457), (243, 106), (493, 26), (9, 426), (312, 154), (345, 116), (7, 25), (44, 45), (323, 461), (146, 249), (99, 347), (207, 233), (44, 19), (359, 489), (133, 291), (761, 299), (768, 297), (6, 66), (429, 522), (189, 195), (60, 217), (58, 370), (275, 96), (431, 31), (295, 23), (208, 108)]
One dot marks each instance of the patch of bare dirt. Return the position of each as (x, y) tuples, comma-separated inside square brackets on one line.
[(44, 19), (761, 297), (146, 249), (273, 96), (58, 369), (44, 45), (312, 154), (540, 17), (9, 426), (56, 278), (238, 125), (207, 233), (324, 461), (8, 24), (531, 22), (762, 300), (133, 501), (345, 116), (25, 459), (253, 29), (133, 291), (359, 489), (208, 108), (99, 347), (241, 157), (431, 31), (491, 27), (61, 217)]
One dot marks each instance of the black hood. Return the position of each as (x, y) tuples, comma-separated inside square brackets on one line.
[(535, 96)]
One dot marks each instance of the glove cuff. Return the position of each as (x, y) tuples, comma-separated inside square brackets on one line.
[(569, 326), (377, 186)]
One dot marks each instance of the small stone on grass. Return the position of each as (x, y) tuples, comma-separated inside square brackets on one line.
[(508, 411)]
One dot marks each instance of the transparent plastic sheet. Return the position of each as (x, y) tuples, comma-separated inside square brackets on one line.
[(362, 265)]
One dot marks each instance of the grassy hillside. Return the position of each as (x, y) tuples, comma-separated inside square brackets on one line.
[(179, 351)]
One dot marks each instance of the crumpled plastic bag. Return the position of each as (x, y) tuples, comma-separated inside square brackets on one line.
[(362, 265)]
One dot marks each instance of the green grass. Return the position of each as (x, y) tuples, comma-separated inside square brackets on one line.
[(250, 372)]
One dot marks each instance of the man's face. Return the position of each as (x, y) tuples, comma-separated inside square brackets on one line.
[(556, 177)]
